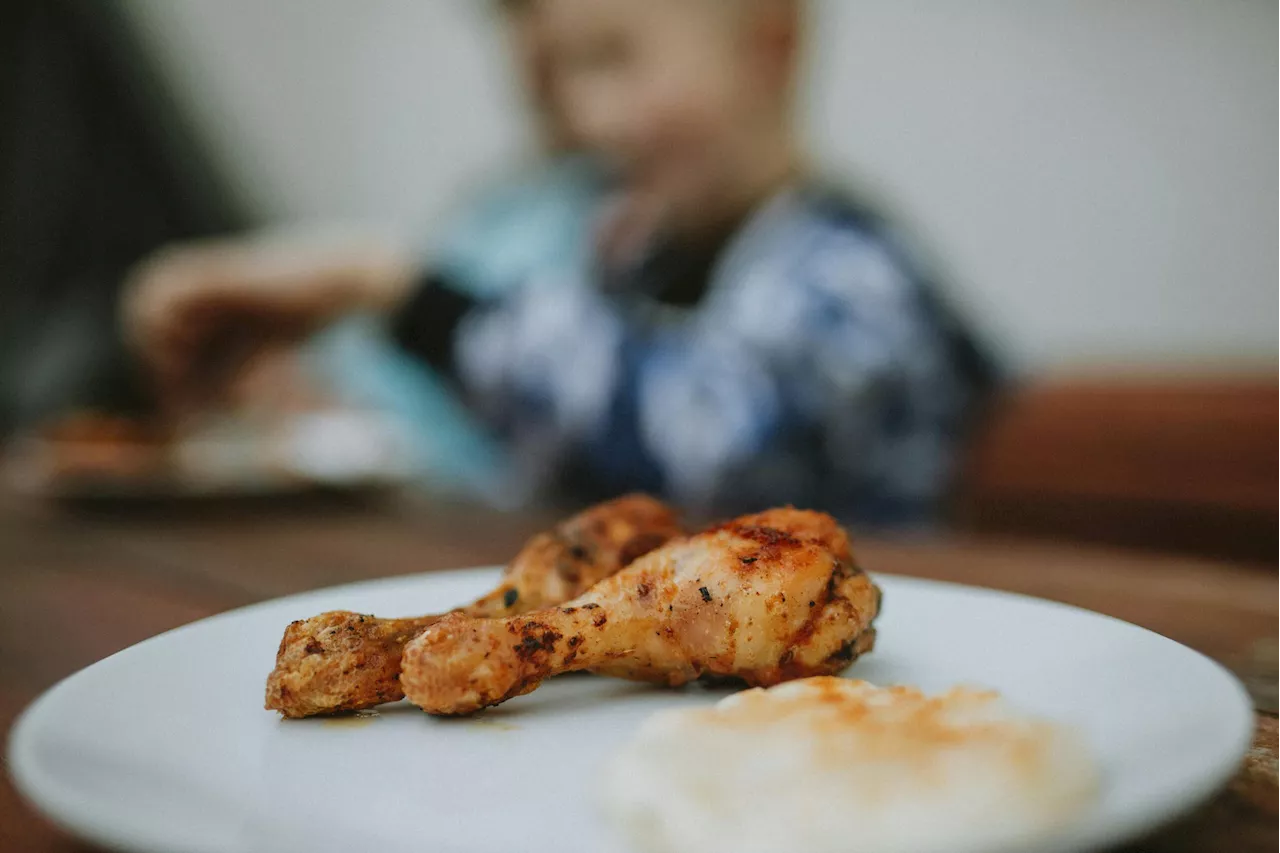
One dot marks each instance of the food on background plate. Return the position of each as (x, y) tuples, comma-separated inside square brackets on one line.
[(762, 599), (90, 446), (344, 661), (830, 764), (103, 429), (99, 455)]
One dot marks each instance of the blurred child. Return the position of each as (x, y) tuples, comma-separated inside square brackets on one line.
[(737, 337)]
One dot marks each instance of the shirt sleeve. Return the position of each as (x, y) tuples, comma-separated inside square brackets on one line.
[(867, 400)]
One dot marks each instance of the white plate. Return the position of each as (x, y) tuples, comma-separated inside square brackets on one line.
[(165, 746)]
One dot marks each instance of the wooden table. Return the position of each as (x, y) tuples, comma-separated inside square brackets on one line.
[(75, 587)]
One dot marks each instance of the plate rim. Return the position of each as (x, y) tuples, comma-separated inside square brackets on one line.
[(83, 818)]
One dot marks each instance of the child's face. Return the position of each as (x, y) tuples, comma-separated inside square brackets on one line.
[(668, 90)]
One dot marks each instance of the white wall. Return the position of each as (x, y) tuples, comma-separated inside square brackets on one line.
[(382, 111), (1099, 177)]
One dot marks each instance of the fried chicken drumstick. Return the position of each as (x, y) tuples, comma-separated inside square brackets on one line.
[(343, 661), (763, 599)]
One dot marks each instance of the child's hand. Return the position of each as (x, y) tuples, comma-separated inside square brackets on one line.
[(200, 313)]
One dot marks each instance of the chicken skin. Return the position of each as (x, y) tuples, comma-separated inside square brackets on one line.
[(344, 661), (763, 599)]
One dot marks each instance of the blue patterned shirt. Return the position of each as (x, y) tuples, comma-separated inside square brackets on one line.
[(815, 366)]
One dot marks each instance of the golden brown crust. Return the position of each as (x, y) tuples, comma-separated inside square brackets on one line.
[(343, 661), (339, 661), (762, 599)]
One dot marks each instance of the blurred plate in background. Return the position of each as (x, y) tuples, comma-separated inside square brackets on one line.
[(102, 458)]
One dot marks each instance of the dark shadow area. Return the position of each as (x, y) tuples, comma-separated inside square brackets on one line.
[(97, 169)]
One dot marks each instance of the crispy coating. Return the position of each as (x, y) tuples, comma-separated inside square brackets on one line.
[(763, 599), (344, 661)]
